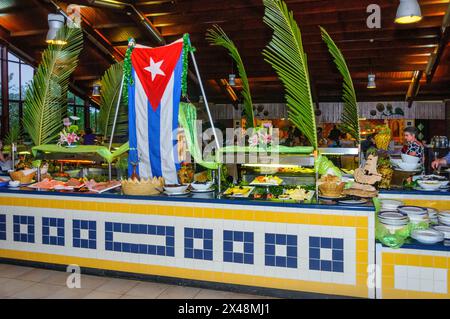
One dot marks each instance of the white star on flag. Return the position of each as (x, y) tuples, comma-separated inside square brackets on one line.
[(155, 68)]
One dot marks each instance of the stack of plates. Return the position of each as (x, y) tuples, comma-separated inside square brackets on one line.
[(428, 236), (393, 220), (416, 214), (443, 229), (433, 215), (444, 218), (390, 204)]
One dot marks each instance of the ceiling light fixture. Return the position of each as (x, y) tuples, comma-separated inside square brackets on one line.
[(55, 23), (232, 79), (408, 12), (371, 84), (96, 89), (107, 4)]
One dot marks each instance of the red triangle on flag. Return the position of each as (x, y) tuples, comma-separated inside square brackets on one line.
[(154, 67)]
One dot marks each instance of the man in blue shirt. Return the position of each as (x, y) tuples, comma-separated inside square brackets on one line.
[(441, 161)]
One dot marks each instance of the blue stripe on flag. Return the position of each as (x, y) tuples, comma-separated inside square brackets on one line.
[(133, 155), (176, 106), (154, 139)]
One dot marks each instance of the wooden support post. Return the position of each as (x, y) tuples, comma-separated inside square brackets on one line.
[(5, 93)]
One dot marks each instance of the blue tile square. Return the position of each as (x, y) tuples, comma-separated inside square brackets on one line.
[(92, 244), (227, 256), (108, 226), (198, 254), (314, 253), (76, 233), (84, 243), (227, 235), (92, 224), (126, 247), (161, 250), (170, 231), (117, 227), (45, 240), (30, 238), (126, 228), (60, 241), (280, 239), (338, 243), (228, 246), (134, 228), (188, 232), (314, 242), (151, 250), (92, 234), (208, 255), (109, 235), (198, 233), (292, 240), (248, 236), (160, 230), (238, 258), (170, 251), (325, 242), (45, 230), (248, 248), (314, 264), (75, 242), (143, 229), (142, 249), (238, 236), (77, 223), (135, 248), (291, 262), (208, 244), (270, 238), (60, 222), (85, 224), (208, 234), (338, 255), (270, 250), (248, 259), (280, 261), (325, 265), (53, 240), (188, 253), (170, 241), (338, 266), (117, 246), (151, 229), (189, 243), (60, 232), (291, 251), (108, 245), (270, 260)]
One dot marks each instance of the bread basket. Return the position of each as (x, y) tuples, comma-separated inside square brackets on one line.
[(143, 187), (21, 177), (332, 189)]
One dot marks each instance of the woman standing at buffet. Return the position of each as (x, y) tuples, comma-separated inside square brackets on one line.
[(413, 146)]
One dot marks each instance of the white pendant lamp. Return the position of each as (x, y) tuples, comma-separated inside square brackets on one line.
[(371, 84), (232, 79), (55, 22), (408, 12)]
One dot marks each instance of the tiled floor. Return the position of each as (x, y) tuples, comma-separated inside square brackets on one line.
[(26, 282)]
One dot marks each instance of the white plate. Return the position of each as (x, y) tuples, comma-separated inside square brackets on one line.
[(413, 171), (392, 215), (202, 191), (443, 229), (177, 194), (412, 210), (353, 202), (332, 197), (445, 213), (432, 212), (390, 203), (427, 236)]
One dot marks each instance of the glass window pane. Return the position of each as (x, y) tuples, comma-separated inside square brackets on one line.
[(13, 114), (93, 112), (80, 114), (26, 77), (78, 101), (70, 98), (13, 69), (12, 57)]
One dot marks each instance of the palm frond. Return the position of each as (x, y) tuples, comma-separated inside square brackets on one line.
[(217, 36), (350, 113), (13, 135), (46, 97), (286, 55), (110, 84)]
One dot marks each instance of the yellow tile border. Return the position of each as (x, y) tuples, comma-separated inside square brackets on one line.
[(193, 274), (321, 218), (390, 260)]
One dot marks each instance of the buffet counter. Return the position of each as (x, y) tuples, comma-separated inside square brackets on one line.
[(415, 270), (323, 249)]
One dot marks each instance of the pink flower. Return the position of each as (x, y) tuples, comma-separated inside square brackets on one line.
[(267, 138), (254, 139)]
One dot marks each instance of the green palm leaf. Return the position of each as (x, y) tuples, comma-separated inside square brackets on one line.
[(286, 55), (350, 114), (110, 84), (218, 37), (46, 97)]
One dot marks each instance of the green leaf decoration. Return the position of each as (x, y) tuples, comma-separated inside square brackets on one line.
[(13, 135), (286, 55), (217, 36), (350, 113), (110, 86), (46, 98)]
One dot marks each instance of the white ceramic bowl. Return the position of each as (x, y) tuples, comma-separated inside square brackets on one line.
[(408, 166), (178, 189), (14, 183), (410, 159), (202, 186), (428, 236), (392, 229), (396, 162), (390, 204), (443, 229), (430, 185)]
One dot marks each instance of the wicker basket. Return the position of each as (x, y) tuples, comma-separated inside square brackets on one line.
[(21, 177), (331, 189), (144, 187)]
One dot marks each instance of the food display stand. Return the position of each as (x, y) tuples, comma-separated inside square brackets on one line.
[(292, 247)]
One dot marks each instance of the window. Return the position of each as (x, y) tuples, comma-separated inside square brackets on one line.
[(75, 107)]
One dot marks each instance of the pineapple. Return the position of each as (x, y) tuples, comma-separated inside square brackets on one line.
[(385, 169), (383, 137)]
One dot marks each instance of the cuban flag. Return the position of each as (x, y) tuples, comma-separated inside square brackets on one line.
[(154, 98)]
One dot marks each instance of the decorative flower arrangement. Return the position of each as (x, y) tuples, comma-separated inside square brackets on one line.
[(260, 138), (69, 135)]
